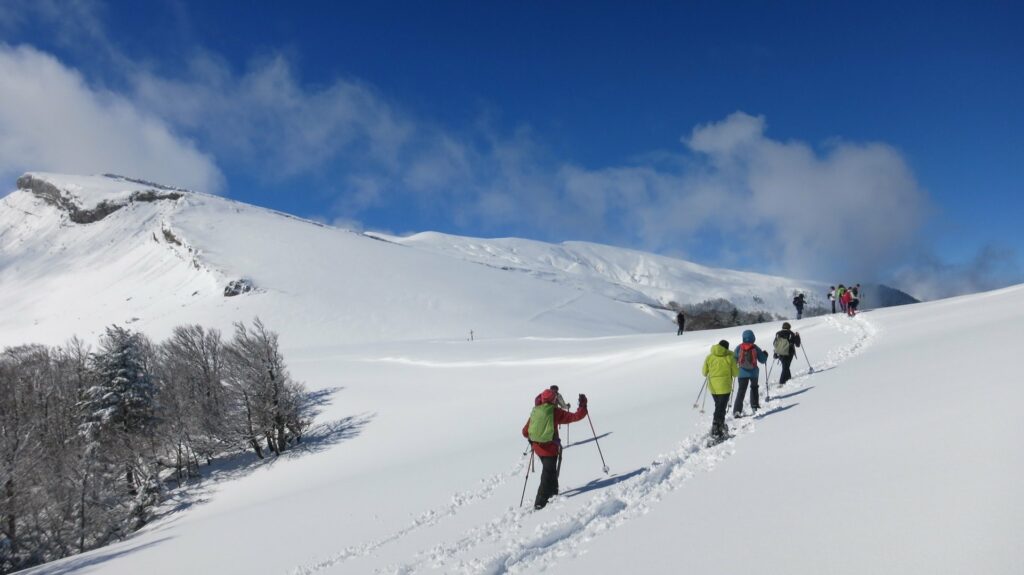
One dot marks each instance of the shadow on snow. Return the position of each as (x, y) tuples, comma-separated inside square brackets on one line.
[(588, 440), (90, 559), (318, 438), (792, 393), (603, 482)]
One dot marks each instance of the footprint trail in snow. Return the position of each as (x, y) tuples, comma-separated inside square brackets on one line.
[(570, 530)]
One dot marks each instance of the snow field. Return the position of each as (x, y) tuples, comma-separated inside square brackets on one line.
[(875, 462)]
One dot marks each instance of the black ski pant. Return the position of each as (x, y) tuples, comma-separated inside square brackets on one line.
[(679, 331), (755, 400), (833, 306), (548, 480), (718, 419), (785, 360)]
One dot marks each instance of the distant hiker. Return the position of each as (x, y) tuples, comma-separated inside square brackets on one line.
[(840, 292), (785, 344), (854, 302), (798, 303), (720, 368), (748, 355), (832, 297), (847, 298), (542, 431), (681, 322), (559, 400)]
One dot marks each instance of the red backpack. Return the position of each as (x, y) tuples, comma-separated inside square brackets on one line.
[(748, 356)]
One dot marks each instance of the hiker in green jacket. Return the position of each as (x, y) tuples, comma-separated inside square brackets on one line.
[(720, 368)]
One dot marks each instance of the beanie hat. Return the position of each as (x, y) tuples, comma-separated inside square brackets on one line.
[(724, 344), (785, 325)]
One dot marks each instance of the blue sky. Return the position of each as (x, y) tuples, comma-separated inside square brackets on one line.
[(850, 141)]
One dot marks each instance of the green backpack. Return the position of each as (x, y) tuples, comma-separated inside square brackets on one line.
[(542, 423)]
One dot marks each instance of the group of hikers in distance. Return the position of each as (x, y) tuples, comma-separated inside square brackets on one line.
[(848, 298)]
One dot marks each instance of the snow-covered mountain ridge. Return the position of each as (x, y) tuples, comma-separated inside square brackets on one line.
[(78, 253), (624, 274)]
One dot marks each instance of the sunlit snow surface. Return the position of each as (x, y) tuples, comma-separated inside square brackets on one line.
[(900, 453)]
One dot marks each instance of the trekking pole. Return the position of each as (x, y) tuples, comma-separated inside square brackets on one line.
[(527, 480), (767, 381), (699, 393), (597, 443), (807, 360), (732, 390)]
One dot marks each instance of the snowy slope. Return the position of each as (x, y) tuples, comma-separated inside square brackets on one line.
[(898, 454), (159, 263), (624, 274)]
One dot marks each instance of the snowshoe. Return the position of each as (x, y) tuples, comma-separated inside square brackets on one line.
[(714, 440)]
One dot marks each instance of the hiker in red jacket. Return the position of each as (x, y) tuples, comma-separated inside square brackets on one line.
[(847, 298), (542, 431)]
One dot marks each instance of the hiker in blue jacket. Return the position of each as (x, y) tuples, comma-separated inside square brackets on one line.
[(748, 355)]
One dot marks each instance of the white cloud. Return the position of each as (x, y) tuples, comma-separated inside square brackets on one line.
[(852, 208), (52, 120), (266, 120), (929, 277), (729, 137)]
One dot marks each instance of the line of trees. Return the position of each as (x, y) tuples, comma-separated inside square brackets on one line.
[(91, 440), (719, 313)]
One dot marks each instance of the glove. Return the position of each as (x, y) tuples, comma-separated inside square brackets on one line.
[(583, 401)]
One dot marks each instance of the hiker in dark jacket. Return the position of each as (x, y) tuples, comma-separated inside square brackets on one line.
[(748, 355), (798, 303), (681, 322), (542, 431), (785, 344), (832, 297)]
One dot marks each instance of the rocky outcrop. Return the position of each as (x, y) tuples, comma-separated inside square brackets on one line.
[(64, 201), (238, 287)]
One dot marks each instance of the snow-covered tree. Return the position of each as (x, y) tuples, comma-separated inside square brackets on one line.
[(120, 414), (268, 404)]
